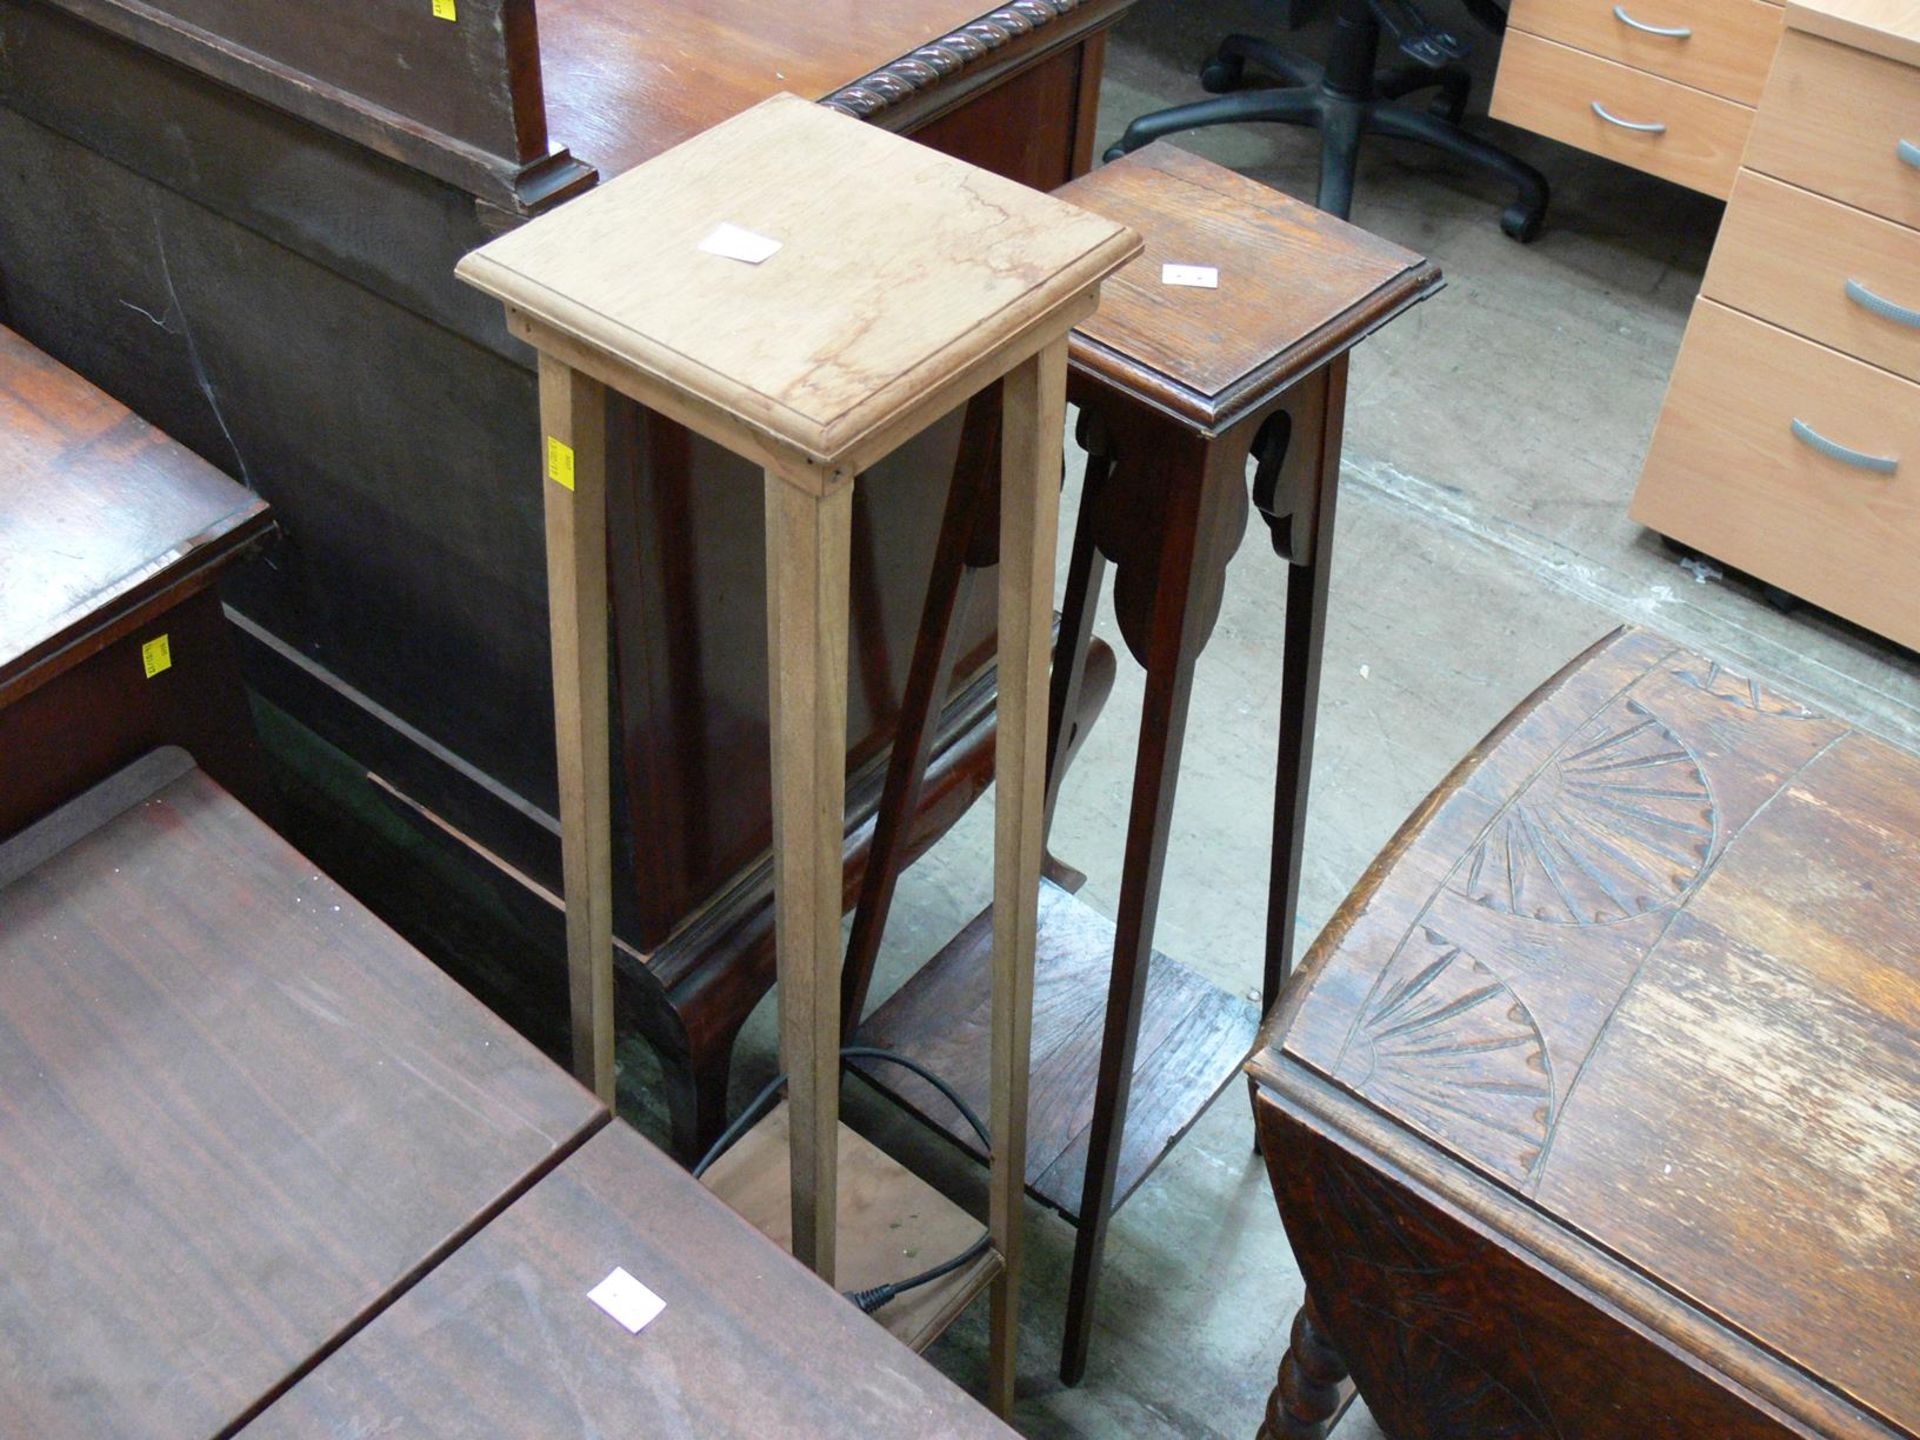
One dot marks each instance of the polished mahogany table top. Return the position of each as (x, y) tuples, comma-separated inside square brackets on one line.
[(620, 92), (99, 513), (240, 1113), (501, 1339)]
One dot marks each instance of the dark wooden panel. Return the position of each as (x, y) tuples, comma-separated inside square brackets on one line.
[(1453, 1335), (451, 86), (393, 451), (106, 712), (98, 512), (989, 133), (501, 1339), (378, 222), (240, 1113)]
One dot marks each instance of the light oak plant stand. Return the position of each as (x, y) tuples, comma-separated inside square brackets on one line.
[(903, 283)]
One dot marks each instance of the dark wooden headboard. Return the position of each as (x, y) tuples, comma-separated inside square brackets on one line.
[(451, 87)]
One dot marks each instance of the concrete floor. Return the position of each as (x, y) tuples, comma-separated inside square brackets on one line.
[(1494, 436)]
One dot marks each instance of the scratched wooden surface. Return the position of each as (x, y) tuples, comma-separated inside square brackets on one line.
[(1192, 1038), (98, 509), (240, 1112), (501, 1340), (1296, 285), (1649, 960), (898, 268)]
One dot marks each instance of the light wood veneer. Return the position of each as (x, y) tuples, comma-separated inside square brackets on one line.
[(1551, 89), (1787, 255), (1726, 472), (1727, 53)]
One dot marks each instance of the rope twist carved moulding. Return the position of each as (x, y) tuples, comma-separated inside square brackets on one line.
[(899, 80)]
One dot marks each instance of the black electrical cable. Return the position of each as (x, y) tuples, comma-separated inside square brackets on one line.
[(872, 1299)]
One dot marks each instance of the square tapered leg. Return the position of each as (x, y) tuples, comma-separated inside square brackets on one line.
[(573, 422)]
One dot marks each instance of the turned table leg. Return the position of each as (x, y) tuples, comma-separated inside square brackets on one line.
[(1311, 1391)]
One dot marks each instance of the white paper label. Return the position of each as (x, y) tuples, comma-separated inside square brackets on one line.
[(627, 1300), (1200, 277), (733, 243)]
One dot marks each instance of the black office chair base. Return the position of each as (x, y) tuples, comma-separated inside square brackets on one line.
[(1342, 117)]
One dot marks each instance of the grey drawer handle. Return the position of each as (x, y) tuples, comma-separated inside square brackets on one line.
[(1876, 305), (1671, 32), (1909, 152), (1645, 127), (1879, 464)]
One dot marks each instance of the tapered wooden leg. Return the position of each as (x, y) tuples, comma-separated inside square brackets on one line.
[(1034, 416), (1196, 475), (808, 545), (1308, 575), (573, 418), (1311, 1391), (936, 648)]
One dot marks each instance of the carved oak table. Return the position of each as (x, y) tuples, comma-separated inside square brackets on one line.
[(1177, 387), (1595, 1111)]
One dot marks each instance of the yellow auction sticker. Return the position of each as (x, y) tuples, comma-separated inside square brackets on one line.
[(444, 10), (156, 655), (559, 462)]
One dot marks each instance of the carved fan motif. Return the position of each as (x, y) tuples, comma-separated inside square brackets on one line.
[(1743, 691), (1619, 823), (1446, 1045)]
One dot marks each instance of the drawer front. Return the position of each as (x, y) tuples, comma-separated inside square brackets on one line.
[(1820, 269), (1552, 90), (1844, 123), (1725, 46), (1726, 473)]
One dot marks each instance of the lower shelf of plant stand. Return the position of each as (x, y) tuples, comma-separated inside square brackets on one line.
[(892, 1224), (1194, 1037)]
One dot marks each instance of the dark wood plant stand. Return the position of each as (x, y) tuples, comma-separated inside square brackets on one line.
[(1176, 388)]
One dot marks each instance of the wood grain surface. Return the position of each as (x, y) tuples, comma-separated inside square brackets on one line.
[(501, 1340), (1832, 119), (890, 1223), (1727, 51), (1785, 255), (1648, 960), (1296, 286), (1550, 89), (1884, 27), (1726, 473), (99, 511), (240, 1112), (829, 338), (1193, 1035)]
